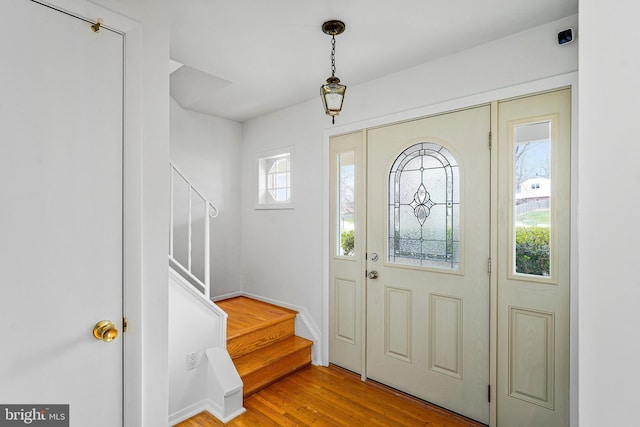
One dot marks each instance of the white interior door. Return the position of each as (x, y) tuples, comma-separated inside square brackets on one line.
[(61, 258), (428, 241), (534, 205)]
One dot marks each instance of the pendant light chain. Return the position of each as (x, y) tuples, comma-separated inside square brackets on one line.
[(333, 66), (333, 55)]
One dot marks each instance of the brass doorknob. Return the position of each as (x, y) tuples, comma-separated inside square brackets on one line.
[(105, 331)]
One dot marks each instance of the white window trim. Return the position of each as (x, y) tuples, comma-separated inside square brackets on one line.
[(263, 200)]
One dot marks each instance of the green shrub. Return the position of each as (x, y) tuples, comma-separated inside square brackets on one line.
[(347, 242), (532, 250)]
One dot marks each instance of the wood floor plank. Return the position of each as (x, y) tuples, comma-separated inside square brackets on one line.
[(333, 397)]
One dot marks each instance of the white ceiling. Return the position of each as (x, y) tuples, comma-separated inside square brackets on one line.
[(246, 58)]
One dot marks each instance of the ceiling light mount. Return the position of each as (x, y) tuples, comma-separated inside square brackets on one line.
[(333, 28), (332, 92)]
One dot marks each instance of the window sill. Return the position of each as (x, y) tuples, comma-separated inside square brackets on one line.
[(274, 206)]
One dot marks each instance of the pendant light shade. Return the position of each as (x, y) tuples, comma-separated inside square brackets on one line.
[(332, 92)]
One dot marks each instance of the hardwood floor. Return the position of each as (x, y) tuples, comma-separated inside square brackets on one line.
[(319, 396)]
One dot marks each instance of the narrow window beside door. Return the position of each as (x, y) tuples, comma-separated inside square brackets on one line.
[(532, 199), (346, 204)]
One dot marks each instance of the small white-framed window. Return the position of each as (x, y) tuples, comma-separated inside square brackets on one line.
[(275, 172)]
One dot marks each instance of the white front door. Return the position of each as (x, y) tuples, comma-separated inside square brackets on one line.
[(61, 257), (428, 241)]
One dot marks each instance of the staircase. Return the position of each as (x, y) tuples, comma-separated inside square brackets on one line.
[(261, 342)]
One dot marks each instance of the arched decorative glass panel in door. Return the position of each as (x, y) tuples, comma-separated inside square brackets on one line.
[(424, 208)]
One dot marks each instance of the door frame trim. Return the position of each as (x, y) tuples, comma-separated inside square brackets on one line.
[(490, 97), (132, 396)]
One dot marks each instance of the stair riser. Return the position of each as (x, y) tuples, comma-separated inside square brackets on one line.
[(266, 376), (257, 339)]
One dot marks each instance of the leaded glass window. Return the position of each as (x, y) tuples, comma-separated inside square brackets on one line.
[(424, 208)]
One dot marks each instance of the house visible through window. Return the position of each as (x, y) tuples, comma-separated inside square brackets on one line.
[(532, 227), (275, 179)]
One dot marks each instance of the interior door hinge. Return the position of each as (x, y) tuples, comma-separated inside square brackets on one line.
[(489, 266), (490, 140), (489, 393), (124, 324)]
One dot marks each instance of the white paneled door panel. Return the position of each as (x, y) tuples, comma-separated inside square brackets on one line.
[(61, 257), (428, 221), (534, 229), (346, 250)]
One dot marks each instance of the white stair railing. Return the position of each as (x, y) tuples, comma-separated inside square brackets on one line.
[(189, 232)]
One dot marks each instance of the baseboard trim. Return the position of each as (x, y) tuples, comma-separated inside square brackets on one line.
[(204, 405), (188, 412), (227, 296)]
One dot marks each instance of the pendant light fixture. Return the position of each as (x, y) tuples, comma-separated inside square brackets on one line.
[(332, 92)]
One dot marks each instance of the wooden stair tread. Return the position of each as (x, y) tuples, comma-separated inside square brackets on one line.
[(245, 343), (262, 343), (270, 354), (247, 315)]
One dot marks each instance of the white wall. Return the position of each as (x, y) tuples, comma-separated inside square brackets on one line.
[(282, 250), (193, 327), (207, 150), (609, 179)]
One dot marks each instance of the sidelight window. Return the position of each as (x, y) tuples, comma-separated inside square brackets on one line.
[(532, 183), (346, 204)]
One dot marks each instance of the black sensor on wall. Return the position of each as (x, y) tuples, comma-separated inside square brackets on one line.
[(565, 36)]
